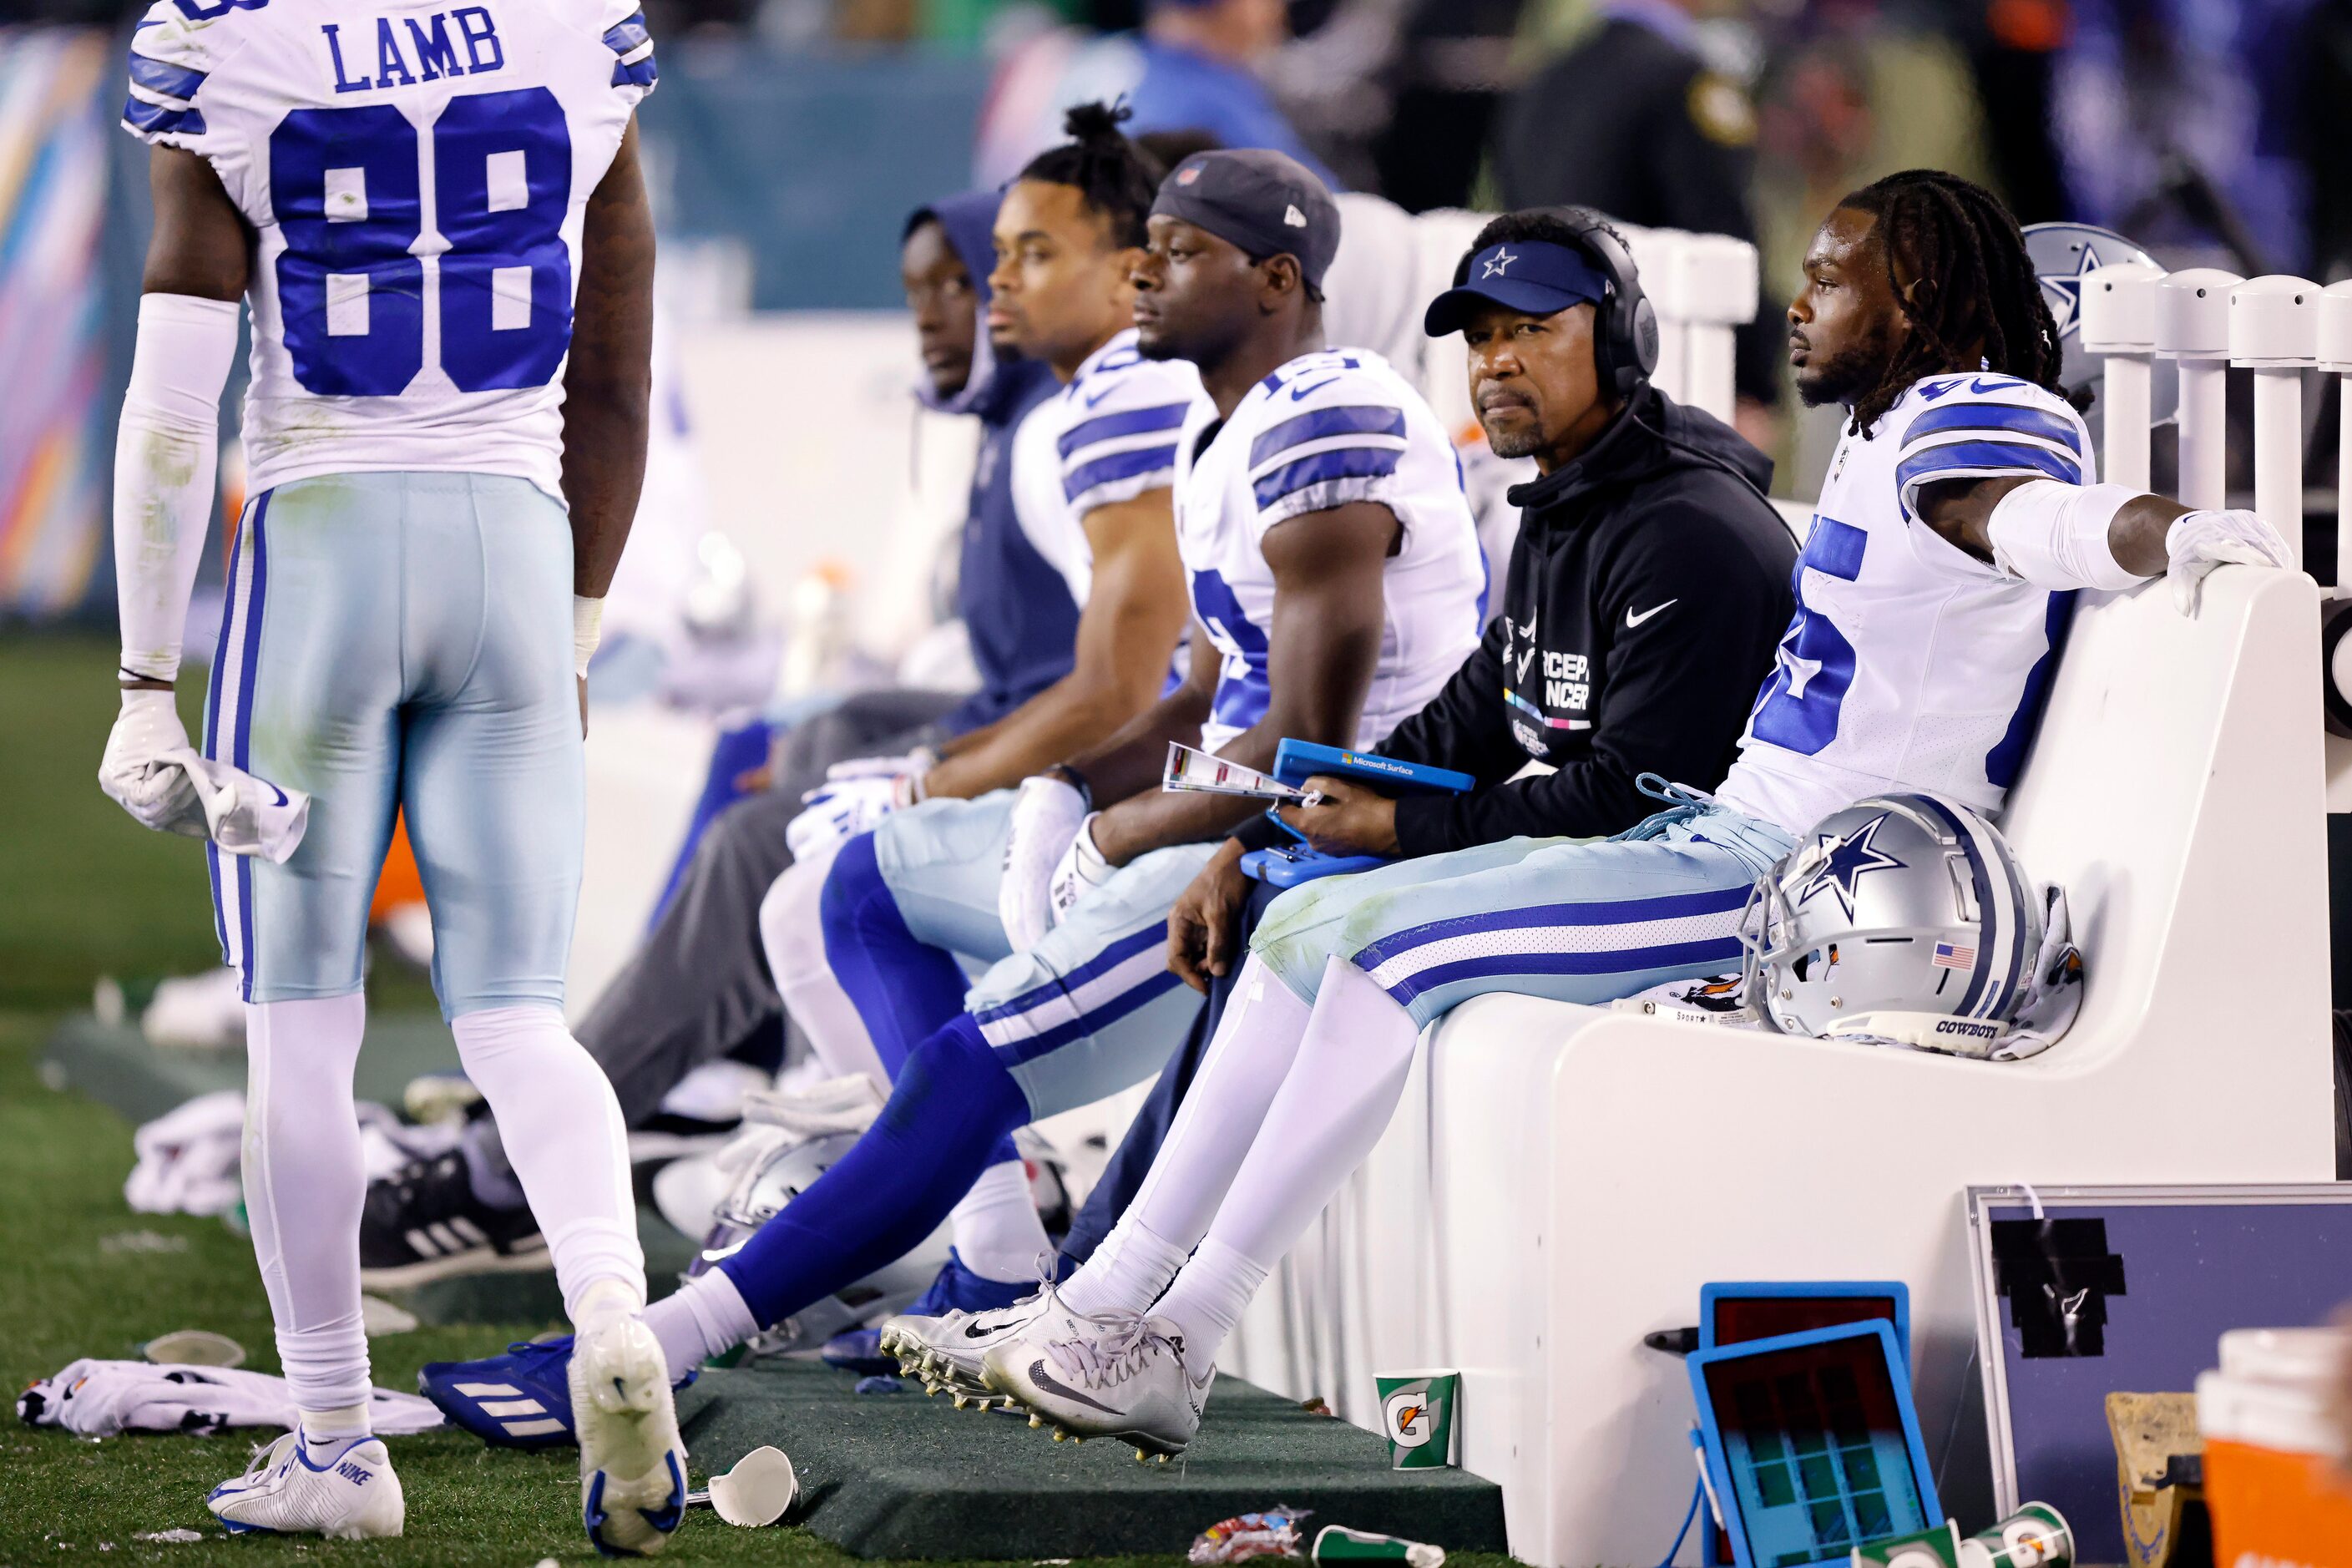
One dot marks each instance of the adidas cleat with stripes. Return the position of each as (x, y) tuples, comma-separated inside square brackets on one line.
[(632, 1461), (426, 1224), (521, 1399), (344, 1491)]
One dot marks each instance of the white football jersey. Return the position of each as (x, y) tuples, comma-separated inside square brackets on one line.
[(1107, 438), (1910, 663), (418, 172), (1326, 429)]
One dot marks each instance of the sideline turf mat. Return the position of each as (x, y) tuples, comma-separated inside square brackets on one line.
[(897, 1475)]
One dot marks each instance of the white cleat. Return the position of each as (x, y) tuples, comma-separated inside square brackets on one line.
[(632, 1464), (1121, 1375), (948, 1352), (344, 1491)]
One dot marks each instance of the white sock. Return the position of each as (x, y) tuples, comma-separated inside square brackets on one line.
[(703, 1317), (1332, 1107), (563, 1135), (305, 1180), (793, 935), (997, 1232), (1255, 1042), (1129, 1269), (321, 1429), (1208, 1299)]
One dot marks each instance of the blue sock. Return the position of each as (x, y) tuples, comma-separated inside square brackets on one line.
[(904, 988), (953, 1108)]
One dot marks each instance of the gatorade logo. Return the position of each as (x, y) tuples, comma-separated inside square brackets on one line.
[(1408, 1418)]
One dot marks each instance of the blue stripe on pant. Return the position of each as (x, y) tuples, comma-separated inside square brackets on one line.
[(1576, 920)]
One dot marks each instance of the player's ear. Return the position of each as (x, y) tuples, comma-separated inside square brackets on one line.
[(1279, 277)]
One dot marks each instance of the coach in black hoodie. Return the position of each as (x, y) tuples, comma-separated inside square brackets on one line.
[(1649, 585)]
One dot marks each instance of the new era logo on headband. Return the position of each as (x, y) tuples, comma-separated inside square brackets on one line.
[(1294, 217), (1186, 176)]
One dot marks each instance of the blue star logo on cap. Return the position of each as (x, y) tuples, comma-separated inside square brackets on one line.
[(1847, 861), (1496, 265)]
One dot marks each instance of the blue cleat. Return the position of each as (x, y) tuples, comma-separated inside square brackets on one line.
[(858, 1350), (956, 1289), (521, 1399)]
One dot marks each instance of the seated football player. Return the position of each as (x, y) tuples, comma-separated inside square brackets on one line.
[(700, 986), (1647, 582), (1336, 585), (1959, 518)]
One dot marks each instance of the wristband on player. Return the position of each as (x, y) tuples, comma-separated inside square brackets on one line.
[(2054, 535), (587, 630)]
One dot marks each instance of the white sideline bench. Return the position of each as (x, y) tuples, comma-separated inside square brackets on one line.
[(1561, 1180)]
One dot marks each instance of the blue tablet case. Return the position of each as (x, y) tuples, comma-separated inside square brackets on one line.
[(1812, 1446), (1764, 1308), (1296, 762)]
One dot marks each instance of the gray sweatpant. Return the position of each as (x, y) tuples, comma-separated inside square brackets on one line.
[(700, 981)]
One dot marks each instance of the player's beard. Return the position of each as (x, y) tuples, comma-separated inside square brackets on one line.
[(1845, 376)]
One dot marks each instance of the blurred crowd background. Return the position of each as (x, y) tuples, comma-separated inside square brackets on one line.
[(790, 137)]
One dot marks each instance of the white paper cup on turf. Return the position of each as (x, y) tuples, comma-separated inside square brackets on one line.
[(758, 1490)]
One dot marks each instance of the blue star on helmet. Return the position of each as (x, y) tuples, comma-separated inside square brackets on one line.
[(1845, 861), (2065, 291), (1496, 265)]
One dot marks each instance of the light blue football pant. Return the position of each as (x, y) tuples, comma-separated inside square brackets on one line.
[(1093, 1007), (1578, 920), (404, 640)]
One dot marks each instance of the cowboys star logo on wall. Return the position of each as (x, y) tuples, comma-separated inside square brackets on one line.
[(1845, 861), (1495, 263)]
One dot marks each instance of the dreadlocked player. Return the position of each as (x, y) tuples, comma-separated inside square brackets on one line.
[(1959, 519)]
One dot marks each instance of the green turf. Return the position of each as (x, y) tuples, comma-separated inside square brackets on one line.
[(84, 893)]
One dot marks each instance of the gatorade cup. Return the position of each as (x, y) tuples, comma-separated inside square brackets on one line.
[(1417, 1414), (1937, 1548), (2035, 1536), (1338, 1543)]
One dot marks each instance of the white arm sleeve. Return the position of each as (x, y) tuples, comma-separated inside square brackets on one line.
[(2054, 535), (164, 455)]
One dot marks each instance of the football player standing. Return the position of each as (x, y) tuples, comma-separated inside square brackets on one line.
[(438, 220)]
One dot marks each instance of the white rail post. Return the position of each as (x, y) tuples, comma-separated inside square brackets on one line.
[(2334, 357), (2275, 332), (1658, 256), (2192, 326), (2119, 321), (1719, 295)]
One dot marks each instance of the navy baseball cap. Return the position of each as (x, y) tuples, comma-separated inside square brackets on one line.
[(1529, 276), (1263, 202)]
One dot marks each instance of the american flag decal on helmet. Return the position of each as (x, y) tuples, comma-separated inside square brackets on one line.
[(1951, 955)]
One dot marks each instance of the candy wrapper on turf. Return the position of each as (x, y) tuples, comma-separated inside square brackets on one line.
[(1273, 1533)]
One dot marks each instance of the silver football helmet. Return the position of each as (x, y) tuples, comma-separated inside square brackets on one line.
[(770, 1180), (1903, 918)]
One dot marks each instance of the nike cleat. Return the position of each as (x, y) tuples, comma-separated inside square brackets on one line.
[(1122, 1375), (947, 1351), (344, 1491), (631, 1462), (521, 1399)]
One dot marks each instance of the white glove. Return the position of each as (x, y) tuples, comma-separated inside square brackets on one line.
[(1082, 869), (2199, 540), (1045, 818), (135, 773), (843, 810)]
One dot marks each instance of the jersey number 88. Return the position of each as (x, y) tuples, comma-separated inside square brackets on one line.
[(347, 186)]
